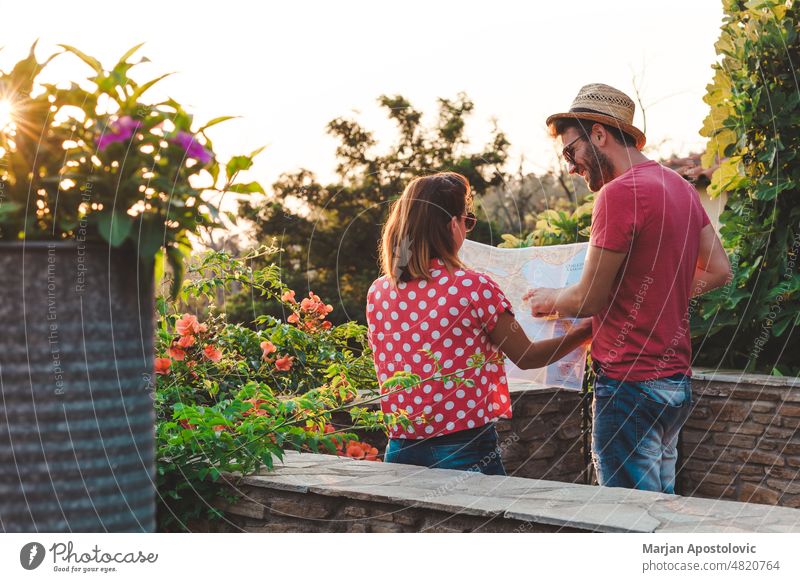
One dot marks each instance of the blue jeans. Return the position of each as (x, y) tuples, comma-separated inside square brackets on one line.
[(474, 449), (635, 431)]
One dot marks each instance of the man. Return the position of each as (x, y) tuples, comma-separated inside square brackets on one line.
[(651, 249)]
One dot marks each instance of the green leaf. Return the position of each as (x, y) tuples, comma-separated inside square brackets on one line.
[(771, 192), (217, 120), (237, 164), (114, 226), (130, 52), (247, 188), (139, 91), (91, 61)]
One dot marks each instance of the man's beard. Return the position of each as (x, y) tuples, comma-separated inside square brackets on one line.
[(599, 170)]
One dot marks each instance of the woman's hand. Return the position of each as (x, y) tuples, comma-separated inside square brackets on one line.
[(583, 329)]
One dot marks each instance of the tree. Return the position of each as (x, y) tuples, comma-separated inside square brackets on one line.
[(330, 233), (754, 128)]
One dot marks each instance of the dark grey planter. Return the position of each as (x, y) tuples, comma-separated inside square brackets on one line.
[(76, 414)]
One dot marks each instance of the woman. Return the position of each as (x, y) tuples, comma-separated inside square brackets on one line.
[(428, 309)]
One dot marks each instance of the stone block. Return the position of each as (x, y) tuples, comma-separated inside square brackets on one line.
[(791, 448), (246, 508), (704, 425), (385, 528), (768, 419), (790, 500), (752, 493), (713, 490), (701, 452), (751, 394), (749, 428), (711, 478), (793, 461), (544, 450), (790, 487), (763, 407), (694, 437), (355, 512), (761, 457), (782, 473), (307, 509), (735, 411), (569, 431), (790, 410), (734, 440), (779, 433)]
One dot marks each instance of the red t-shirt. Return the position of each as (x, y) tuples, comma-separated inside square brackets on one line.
[(451, 316), (654, 216)]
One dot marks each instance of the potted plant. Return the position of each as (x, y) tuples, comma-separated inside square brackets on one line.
[(98, 189)]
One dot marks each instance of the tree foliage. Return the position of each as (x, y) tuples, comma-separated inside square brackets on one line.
[(330, 233), (754, 127)]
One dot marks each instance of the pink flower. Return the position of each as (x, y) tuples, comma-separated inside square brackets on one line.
[(284, 364), (192, 147), (176, 353), (267, 348), (186, 341), (288, 297), (162, 365), (212, 353), (120, 130), (187, 324)]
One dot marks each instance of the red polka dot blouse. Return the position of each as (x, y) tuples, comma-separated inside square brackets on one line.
[(452, 316)]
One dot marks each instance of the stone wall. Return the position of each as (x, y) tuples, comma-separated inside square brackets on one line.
[(323, 493), (742, 440), (543, 439)]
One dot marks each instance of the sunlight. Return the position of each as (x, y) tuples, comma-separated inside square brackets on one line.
[(6, 114)]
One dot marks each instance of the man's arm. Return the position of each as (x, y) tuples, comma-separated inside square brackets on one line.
[(713, 268), (509, 336), (587, 297)]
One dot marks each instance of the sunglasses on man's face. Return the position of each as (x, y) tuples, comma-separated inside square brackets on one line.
[(569, 150), (470, 221)]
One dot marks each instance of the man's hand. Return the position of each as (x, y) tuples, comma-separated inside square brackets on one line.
[(542, 301)]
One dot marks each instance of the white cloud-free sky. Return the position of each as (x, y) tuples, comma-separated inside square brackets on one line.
[(288, 68)]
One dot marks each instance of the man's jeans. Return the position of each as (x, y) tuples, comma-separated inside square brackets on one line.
[(635, 431), (474, 449)]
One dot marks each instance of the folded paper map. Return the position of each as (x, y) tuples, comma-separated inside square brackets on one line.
[(519, 270)]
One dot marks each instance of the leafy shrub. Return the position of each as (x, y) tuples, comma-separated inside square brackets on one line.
[(754, 128), (232, 399), (96, 161), (556, 227)]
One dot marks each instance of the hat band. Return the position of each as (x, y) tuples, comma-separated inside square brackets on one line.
[(587, 110)]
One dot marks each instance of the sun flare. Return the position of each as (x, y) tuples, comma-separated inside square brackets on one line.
[(6, 114)]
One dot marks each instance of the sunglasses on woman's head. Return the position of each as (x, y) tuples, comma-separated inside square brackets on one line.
[(470, 221)]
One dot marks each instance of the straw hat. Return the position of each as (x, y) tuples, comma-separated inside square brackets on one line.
[(604, 104)]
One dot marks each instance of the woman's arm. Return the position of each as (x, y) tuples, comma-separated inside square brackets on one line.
[(512, 340)]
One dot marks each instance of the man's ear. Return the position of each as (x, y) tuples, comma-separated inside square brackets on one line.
[(599, 136)]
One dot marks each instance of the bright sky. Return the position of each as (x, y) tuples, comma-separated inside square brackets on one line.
[(288, 68)]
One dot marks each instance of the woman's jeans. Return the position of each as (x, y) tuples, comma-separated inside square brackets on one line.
[(474, 449), (635, 431)]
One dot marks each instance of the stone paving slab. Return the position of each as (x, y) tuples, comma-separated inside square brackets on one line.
[(569, 505)]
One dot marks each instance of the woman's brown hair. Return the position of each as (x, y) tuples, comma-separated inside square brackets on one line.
[(418, 228)]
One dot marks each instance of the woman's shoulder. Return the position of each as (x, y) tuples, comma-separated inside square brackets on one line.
[(476, 277), (378, 285)]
